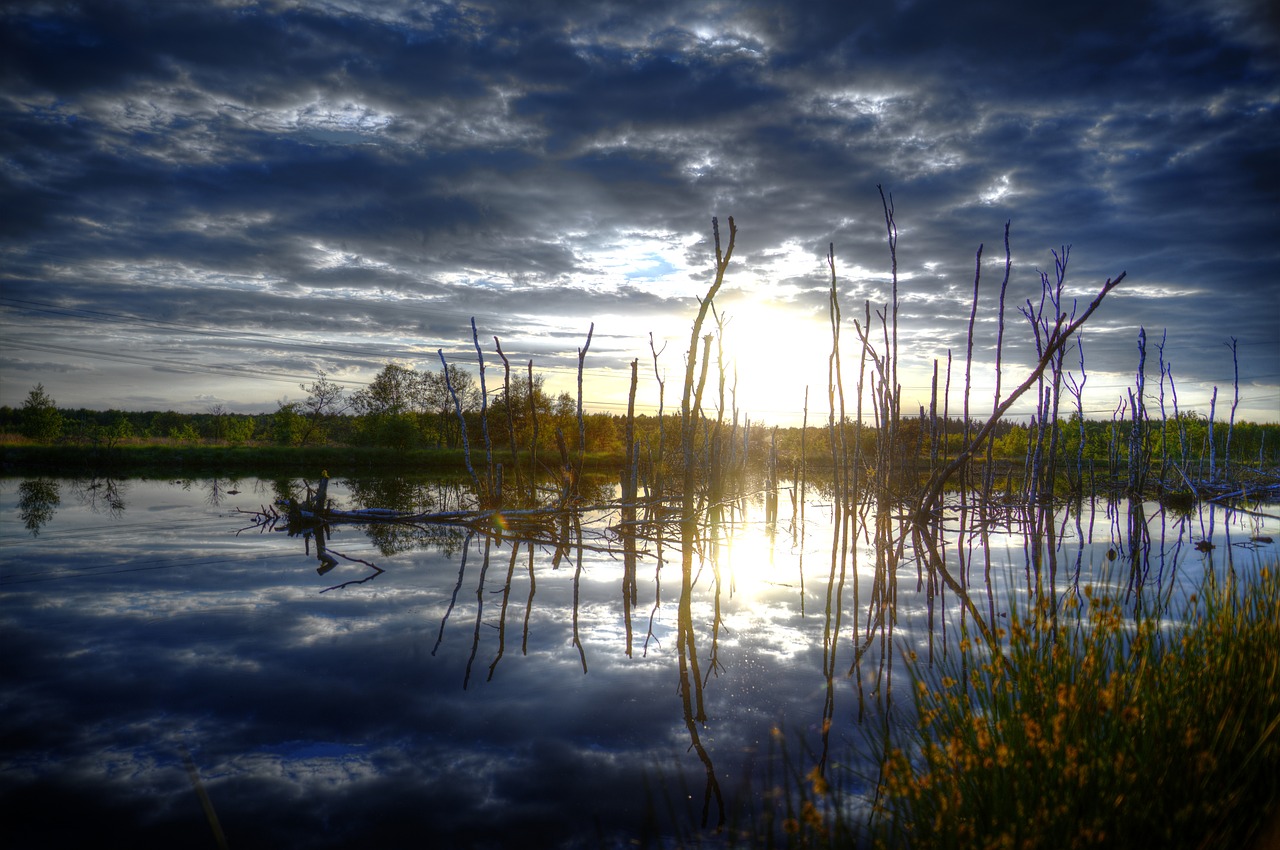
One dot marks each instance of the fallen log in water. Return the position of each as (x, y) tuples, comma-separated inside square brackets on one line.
[(547, 524)]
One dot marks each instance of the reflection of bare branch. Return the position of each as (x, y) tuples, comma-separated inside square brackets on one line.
[(657, 593), (377, 571), (462, 569), (926, 548), (101, 495), (205, 803), (263, 519), (475, 641), (694, 712), (528, 609), (577, 582), (502, 615)]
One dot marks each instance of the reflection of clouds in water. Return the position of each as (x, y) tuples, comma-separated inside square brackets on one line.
[(335, 715), (215, 658)]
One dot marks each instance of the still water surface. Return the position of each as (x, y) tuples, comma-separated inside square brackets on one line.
[(172, 674)]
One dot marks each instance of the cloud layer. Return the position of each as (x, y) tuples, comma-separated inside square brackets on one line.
[(248, 192)]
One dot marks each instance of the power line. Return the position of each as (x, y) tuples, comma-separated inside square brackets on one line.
[(327, 348), (176, 366), (279, 340)]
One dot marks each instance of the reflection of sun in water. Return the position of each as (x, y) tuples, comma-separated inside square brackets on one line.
[(760, 586), (756, 561), (777, 350)]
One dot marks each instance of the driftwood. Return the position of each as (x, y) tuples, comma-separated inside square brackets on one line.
[(538, 525)]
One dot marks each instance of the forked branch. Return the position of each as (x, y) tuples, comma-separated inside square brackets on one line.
[(1056, 339)]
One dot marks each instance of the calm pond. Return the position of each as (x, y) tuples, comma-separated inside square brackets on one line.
[(172, 671)]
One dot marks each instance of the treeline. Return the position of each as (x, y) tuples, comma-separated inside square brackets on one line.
[(400, 409), (405, 409)]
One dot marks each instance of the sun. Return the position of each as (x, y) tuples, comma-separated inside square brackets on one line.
[(775, 350)]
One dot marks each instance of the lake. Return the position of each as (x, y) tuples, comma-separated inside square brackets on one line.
[(177, 675)]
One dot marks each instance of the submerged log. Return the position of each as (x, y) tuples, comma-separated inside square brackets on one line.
[(527, 523)]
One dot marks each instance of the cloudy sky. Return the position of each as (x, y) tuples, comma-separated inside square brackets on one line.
[(205, 203)]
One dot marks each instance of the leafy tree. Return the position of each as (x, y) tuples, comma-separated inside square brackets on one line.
[(565, 417), (239, 430), (118, 430), (1014, 443), (603, 432), (41, 420), (324, 401), (217, 412), (398, 430), (163, 423), (393, 407), (439, 401), (520, 418), (287, 425), (396, 389)]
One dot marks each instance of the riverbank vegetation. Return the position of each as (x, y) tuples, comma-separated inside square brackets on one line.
[(1083, 727), (1090, 453)]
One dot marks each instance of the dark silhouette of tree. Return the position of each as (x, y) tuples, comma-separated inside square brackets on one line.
[(324, 401), (41, 420)]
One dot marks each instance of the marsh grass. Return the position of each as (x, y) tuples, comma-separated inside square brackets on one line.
[(795, 806), (1088, 728), (810, 809)]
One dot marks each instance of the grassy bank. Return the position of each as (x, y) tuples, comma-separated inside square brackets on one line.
[(1087, 729), (159, 459), (1091, 730)]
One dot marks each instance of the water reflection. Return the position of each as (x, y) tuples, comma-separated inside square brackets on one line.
[(100, 495), (38, 501), (503, 675)]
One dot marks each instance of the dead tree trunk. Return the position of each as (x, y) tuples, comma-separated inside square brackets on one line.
[(933, 491)]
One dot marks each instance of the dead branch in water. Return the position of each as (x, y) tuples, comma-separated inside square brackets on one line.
[(1056, 340), (462, 421)]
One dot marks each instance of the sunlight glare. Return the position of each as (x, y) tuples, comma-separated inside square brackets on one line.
[(777, 350)]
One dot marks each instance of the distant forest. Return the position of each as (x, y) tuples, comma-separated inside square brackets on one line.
[(404, 409)]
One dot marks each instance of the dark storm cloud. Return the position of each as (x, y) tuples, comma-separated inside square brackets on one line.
[(393, 170)]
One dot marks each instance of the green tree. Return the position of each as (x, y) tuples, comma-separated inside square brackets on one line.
[(323, 402), (239, 429), (396, 389), (1013, 444), (185, 433), (41, 420), (438, 401), (397, 430), (393, 408), (287, 425), (603, 434), (521, 420), (119, 430), (164, 422)]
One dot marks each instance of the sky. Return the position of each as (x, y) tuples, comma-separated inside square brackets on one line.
[(205, 204)]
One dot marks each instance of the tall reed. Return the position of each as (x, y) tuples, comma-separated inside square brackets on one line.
[(1086, 729)]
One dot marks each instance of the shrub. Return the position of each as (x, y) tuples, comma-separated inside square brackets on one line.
[(1091, 730)]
